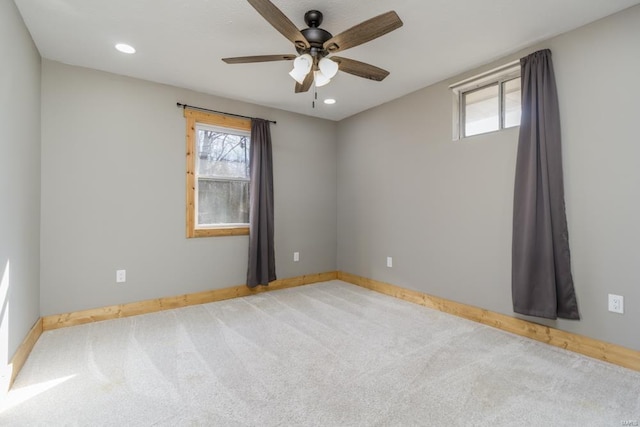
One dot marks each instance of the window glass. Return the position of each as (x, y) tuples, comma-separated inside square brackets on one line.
[(512, 103), (222, 202), (222, 169), (481, 110)]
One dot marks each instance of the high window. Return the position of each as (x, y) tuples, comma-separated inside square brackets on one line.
[(487, 103), (218, 153)]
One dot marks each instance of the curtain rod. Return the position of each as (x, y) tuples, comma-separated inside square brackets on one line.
[(184, 106)]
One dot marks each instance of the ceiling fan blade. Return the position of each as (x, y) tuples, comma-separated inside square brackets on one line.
[(280, 22), (306, 84), (360, 69), (258, 58), (364, 32)]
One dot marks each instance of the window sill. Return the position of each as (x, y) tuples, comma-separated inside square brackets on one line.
[(222, 231), (492, 132)]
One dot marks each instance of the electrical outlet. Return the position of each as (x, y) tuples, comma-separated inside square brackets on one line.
[(121, 276), (296, 256), (389, 262), (616, 303)]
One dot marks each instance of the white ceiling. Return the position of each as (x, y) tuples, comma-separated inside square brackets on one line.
[(180, 42)]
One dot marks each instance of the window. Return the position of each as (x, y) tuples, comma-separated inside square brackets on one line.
[(218, 153), (487, 103)]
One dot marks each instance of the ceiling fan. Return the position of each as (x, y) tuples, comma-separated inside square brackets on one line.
[(314, 44)]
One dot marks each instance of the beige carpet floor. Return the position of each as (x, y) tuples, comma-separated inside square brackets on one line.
[(329, 354)]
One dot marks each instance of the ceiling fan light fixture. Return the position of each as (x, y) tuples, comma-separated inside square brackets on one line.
[(301, 67), (328, 67), (303, 62), (298, 75), (320, 79)]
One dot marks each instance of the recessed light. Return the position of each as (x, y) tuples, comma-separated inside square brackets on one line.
[(125, 48), (329, 101)]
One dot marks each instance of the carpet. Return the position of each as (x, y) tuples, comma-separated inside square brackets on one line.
[(329, 354)]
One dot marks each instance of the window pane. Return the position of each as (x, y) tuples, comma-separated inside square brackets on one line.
[(222, 155), (222, 173), (481, 110), (512, 103), (223, 202)]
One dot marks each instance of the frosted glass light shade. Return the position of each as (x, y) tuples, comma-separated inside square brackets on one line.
[(320, 79), (328, 67), (301, 67), (298, 75)]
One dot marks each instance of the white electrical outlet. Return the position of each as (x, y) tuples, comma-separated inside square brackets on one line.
[(121, 276), (389, 262), (296, 256), (616, 303)]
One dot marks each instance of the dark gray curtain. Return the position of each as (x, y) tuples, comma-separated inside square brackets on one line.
[(541, 264), (262, 265)]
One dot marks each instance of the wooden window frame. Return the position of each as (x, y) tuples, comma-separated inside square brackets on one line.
[(193, 118)]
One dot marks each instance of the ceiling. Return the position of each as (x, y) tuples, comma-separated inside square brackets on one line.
[(181, 42)]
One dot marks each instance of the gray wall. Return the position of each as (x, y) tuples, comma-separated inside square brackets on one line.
[(113, 193), (443, 209), (19, 182)]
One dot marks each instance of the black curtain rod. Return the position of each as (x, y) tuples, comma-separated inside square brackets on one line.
[(219, 112)]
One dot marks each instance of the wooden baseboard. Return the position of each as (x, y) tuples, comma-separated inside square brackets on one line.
[(601, 350), (150, 306), (23, 351)]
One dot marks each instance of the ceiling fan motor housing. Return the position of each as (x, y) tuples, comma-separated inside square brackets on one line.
[(314, 35), (313, 18)]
